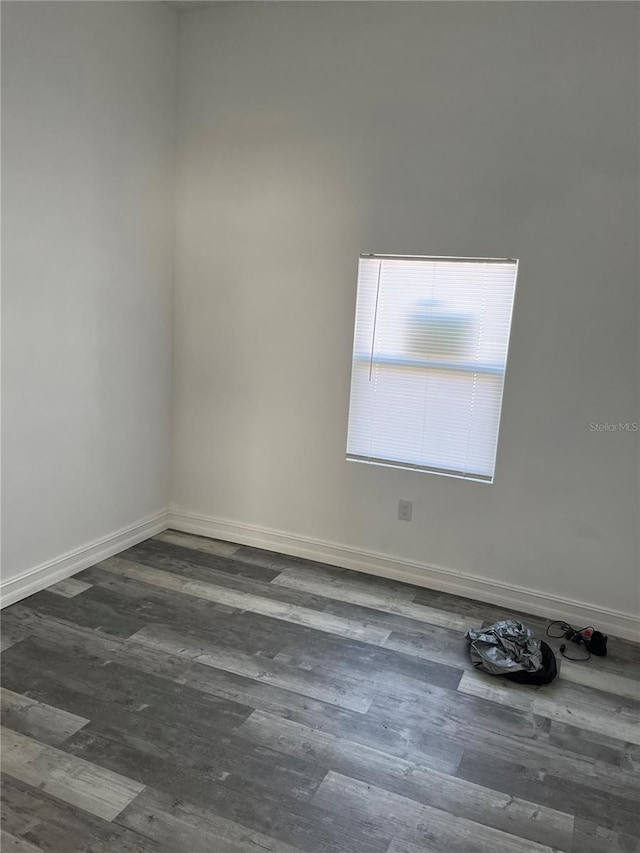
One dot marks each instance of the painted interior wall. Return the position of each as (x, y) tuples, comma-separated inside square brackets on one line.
[(88, 146), (311, 132)]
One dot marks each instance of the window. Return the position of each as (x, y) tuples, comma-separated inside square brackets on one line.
[(429, 358)]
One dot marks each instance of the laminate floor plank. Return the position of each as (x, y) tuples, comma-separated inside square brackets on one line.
[(93, 609), (151, 602), (373, 729), (248, 601), (623, 656), (262, 809), (540, 759), (484, 612), (37, 719), (588, 837), (346, 585), (197, 543), (266, 697), (69, 587), (178, 779), (349, 593), (193, 562), (73, 780), (398, 845), (432, 646), (392, 622), (244, 630), (605, 681), (87, 641), (421, 783), (405, 700), (332, 574), (188, 570), (102, 652), (612, 810), (286, 690), (334, 691), (447, 646), (12, 844), (592, 710), (269, 559), (114, 694), (417, 823), (527, 743), (198, 695), (228, 759), (54, 826), (162, 719), (589, 746), (185, 827), (425, 707), (11, 633), (372, 663)]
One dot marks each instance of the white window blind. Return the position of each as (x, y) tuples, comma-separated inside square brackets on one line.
[(429, 359)]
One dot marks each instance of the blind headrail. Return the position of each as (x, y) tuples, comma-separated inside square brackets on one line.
[(374, 257)]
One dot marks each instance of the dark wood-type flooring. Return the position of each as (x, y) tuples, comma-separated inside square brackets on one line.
[(198, 696)]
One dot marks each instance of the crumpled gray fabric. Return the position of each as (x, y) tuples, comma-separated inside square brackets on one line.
[(506, 646)]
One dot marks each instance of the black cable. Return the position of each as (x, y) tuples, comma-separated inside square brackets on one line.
[(568, 657), (570, 633), (565, 627)]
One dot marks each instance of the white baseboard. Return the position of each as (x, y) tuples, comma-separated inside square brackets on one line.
[(68, 564), (626, 625)]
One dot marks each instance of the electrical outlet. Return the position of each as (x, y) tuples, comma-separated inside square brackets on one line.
[(405, 509)]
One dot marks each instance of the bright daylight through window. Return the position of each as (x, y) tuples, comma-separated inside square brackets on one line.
[(429, 359)]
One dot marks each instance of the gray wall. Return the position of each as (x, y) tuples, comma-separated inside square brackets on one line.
[(312, 132), (88, 103)]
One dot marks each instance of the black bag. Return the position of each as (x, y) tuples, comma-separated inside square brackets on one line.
[(545, 675)]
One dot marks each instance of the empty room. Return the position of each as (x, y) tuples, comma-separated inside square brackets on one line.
[(320, 426)]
